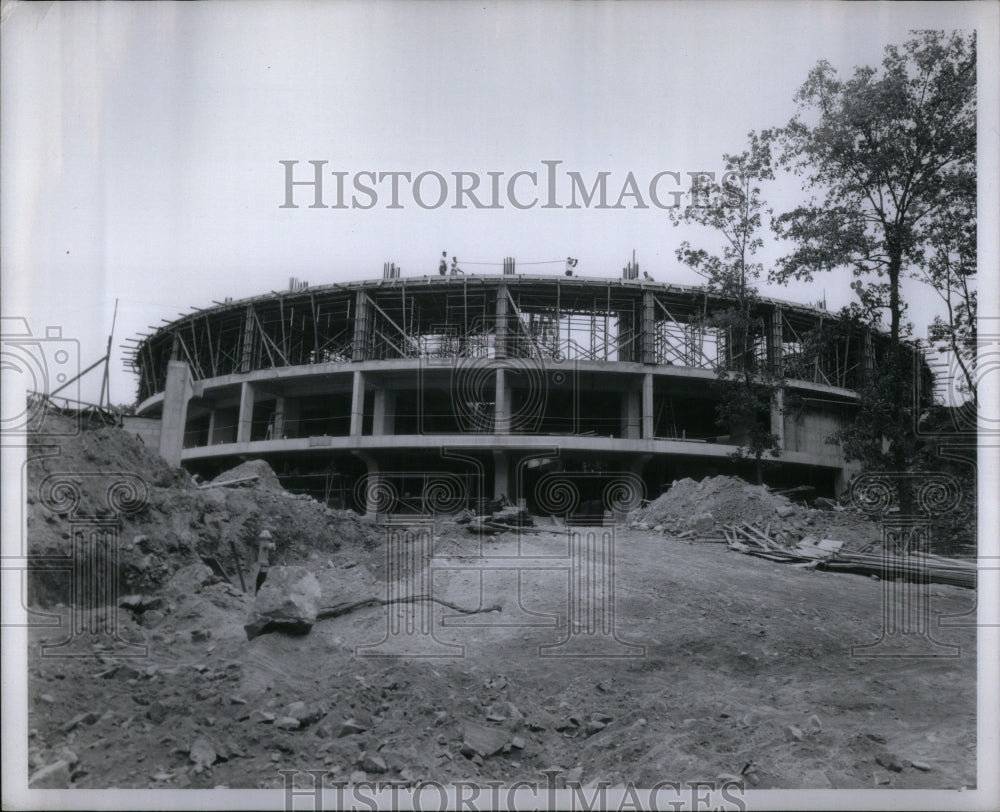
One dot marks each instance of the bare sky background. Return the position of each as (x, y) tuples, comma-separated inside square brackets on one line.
[(141, 141)]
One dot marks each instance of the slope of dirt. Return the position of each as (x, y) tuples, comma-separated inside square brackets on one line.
[(731, 500), (743, 662), (736, 666), (178, 523)]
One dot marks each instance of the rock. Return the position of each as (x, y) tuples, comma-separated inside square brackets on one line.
[(48, 699), (127, 672), (373, 764), (357, 776), (702, 522), (394, 760), (190, 579), (440, 718), (69, 757), (794, 733), (151, 619), (305, 714), (658, 528), (198, 635), (259, 468), (288, 602), (261, 717), (784, 511), (486, 741), (517, 742), (642, 526), (87, 718), (816, 779), (287, 723), (889, 761), (574, 776), (157, 712), (920, 765), (133, 602), (54, 776), (351, 727), (202, 753), (594, 726), (814, 724)]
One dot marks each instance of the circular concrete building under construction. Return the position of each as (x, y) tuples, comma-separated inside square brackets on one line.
[(427, 394)]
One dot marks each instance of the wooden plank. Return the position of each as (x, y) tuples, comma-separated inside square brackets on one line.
[(228, 482)]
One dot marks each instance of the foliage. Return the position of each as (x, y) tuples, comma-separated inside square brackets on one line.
[(733, 207), (889, 159)]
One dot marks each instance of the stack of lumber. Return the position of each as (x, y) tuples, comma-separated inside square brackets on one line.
[(828, 554), (761, 542), (911, 567)]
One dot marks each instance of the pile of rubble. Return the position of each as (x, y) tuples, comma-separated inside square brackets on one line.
[(702, 509), (177, 521)]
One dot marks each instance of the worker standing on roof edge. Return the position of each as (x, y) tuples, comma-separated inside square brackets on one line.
[(443, 267), (264, 549)]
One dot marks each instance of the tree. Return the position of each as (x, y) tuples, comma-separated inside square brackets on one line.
[(951, 268), (889, 157), (733, 207)]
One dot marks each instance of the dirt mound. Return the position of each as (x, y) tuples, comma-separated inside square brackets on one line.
[(168, 522), (266, 478), (722, 500), (728, 499)]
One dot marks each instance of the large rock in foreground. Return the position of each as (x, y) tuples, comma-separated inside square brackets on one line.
[(287, 602)]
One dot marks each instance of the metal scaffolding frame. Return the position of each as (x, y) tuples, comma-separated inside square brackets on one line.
[(513, 316)]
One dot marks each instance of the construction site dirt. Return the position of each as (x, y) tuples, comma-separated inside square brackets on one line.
[(692, 663)]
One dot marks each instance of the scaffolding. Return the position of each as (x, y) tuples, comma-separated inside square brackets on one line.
[(449, 319)]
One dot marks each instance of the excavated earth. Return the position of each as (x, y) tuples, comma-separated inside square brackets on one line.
[(715, 665)]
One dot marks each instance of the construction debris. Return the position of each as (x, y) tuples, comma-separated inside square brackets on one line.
[(829, 554)]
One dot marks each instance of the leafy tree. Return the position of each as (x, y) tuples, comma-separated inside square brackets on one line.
[(950, 270), (886, 156), (889, 159), (734, 207)]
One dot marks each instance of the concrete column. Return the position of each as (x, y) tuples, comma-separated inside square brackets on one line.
[(176, 394), (775, 341), (778, 417), (357, 404), (501, 324), (384, 409), (211, 426), (501, 424), (501, 475), (372, 484), (647, 406), (245, 420), (360, 347), (647, 326), (291, 418), (631, 420), (279, 418)]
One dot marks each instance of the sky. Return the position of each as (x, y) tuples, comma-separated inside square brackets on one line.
[(141, 142)]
